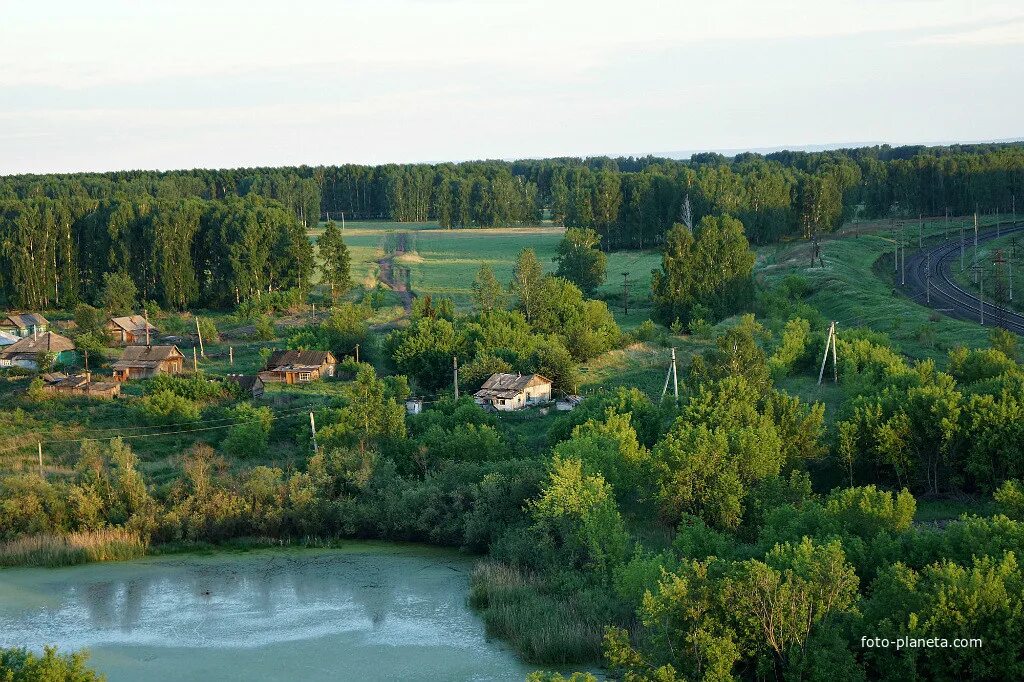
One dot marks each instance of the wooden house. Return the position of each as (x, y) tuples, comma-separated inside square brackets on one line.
[(143, 362), (23, 325), (507, 392), (80, 385), (252, 386), (299, 366), (130, 330), (27, 352)]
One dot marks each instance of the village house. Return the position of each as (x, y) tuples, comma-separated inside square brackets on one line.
[(143, 362), (299, 366), (79, 385), (27, 352), (253, 386), (507, 392), (24, 324), (130, 329)]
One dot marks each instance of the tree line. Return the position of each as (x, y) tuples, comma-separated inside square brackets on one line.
[(176, 251), (630, 202)]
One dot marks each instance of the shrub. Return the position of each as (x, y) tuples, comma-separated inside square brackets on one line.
[(166, 407)]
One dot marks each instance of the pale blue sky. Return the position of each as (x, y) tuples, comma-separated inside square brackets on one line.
[(113, 85)]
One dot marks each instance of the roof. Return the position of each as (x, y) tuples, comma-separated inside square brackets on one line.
[(246, 382), (300, 359), (7, 339), (49, 342), (76, 381), (146, 356), (132, 323), (502, 385), (25, 320)]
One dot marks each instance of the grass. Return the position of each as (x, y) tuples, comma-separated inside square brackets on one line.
[(856, 288), (542, 629), (109, 544)]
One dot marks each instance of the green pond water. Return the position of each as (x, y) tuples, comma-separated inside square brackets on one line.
[(362, 612)]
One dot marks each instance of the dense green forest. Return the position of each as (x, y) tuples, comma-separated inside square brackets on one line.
[(61, 232)]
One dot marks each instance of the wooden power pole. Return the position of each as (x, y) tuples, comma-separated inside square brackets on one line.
[(830, 344)]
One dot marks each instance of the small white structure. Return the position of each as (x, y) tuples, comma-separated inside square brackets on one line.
[(507, 392), (414, 405)]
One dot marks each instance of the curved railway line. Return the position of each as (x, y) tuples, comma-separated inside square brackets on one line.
[(949, 297)]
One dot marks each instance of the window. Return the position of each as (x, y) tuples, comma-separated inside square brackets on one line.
[(304, 376)]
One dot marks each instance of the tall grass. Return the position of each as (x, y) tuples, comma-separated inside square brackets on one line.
[(542, 628), (109, 544)]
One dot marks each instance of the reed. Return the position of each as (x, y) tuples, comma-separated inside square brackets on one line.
[(542, 628), (108, 544)]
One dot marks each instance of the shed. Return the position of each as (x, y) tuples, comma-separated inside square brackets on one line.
[(142, 362), (27, 351), (80, 385), (252, 385), (568, 403), (414, 405), (507, 392), (299, 366)]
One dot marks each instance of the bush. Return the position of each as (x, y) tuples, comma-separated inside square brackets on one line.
[(21, 665), (166, 407)]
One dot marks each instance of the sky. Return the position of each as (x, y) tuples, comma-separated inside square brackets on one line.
[(106, 85)]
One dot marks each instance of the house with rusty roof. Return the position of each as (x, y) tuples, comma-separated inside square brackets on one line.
[(507, 392), (28, 352), (130, 329), (143, 362), (23, 325), (299, 366), (81, 385)]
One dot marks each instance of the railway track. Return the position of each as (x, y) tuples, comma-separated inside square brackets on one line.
[(949, 297)]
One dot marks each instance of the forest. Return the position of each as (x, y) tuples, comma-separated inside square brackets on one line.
[(237, 232)]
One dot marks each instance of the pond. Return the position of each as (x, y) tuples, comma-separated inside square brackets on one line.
[(365, 611)]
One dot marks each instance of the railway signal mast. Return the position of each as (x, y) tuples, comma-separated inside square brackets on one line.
[(975, 267), (999, 289)]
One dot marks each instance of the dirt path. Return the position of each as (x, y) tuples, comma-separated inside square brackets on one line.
[(396, 276)]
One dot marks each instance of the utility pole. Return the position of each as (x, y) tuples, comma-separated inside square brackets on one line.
[(312, 429), (195, 361), (671, 374), (41, 459), (830, 344), (995, 217), (147, 325), (920, 230), (625, 293), (945, 228), (455, 375), (357, 353), (961, 247), (928, 279), (999, 288), (199, 333), (975, 267), (1013, 254), (231, 355), (981, 297)]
